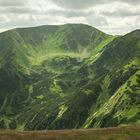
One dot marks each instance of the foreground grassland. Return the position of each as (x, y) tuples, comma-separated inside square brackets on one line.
[(123, 133)]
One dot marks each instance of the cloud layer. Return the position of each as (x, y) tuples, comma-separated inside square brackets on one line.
[(80, 4), (111, 16)]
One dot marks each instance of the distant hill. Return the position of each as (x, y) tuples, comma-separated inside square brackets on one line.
[(68, 76)]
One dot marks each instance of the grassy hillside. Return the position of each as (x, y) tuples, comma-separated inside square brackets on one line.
[(69, 76)]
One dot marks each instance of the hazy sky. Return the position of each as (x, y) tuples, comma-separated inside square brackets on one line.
[(110, 16)]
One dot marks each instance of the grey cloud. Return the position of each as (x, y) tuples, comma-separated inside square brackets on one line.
[(118, 29), (22, 23), (9, 3), (80, 4), (97, 21), (15, 7), (2, 18), (74, 4), (18, 10), (69, 13), (18, 22), (119, 12), (133, 2)]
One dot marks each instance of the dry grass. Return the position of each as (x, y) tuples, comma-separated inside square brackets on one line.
[(129, 133)]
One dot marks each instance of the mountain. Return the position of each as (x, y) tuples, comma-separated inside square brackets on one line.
[(68, 76)]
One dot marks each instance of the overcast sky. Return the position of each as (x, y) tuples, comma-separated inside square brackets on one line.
[(110, 16)]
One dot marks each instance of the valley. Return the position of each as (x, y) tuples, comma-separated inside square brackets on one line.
[(70, 76)]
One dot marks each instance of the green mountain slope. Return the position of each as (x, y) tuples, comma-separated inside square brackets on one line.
[(69, 76), (120, 99)]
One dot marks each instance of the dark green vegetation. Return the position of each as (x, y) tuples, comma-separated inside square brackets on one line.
[(69, 76), (125, 133)]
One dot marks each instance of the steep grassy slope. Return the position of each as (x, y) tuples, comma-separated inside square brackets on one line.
[(120, 98), (69, 76)]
